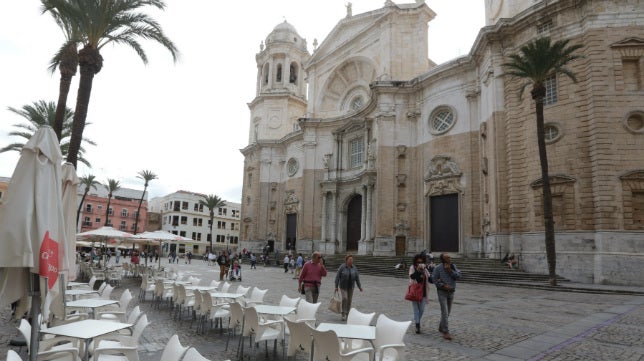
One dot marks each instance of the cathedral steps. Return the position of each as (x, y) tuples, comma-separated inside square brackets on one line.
[(475, 270)]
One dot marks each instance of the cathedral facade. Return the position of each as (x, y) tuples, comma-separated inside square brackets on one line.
[(367, 146)]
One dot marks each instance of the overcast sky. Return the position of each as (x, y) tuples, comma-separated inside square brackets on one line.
[(186, 121)]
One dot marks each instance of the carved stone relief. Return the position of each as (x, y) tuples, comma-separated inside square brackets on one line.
[(442, 176)]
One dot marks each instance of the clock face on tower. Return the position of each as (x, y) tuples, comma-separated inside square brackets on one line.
[(291, 167)]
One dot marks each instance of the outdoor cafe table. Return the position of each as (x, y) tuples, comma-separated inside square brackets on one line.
[(76, 284), (200, 288), (356, 332), (75, 293), (92, 303), (86, 330), (228, 295), (274, 310)]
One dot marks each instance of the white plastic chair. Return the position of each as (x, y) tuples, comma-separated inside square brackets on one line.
[(53, 355), (193, 355), (173, 350), (119, 314), (146, 286), (235, 321), (107, 292), (299, 338), (356, 317), (256, 297), (214, 283), (389, 339), (119, 343), (286, 301), (305, 312), (50, 345), (263, 331), (241, 290), (326, 346), (225, 287)]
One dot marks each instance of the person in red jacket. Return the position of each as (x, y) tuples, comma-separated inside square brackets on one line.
[(311, 278)]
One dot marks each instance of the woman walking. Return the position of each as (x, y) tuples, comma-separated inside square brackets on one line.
[(419, 273), (345, 279)]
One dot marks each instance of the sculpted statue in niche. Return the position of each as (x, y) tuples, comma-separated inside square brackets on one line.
[(327, 161)]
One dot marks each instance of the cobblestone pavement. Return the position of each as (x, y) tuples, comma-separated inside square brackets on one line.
[(487, 322)]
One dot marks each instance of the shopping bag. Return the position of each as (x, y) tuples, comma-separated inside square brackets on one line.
[(335, 305), (414, 292)]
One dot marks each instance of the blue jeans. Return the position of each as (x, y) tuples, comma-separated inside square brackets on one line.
[(419, 309), (445, 300)]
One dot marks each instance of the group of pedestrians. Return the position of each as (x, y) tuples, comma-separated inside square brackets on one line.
[(444, 277)]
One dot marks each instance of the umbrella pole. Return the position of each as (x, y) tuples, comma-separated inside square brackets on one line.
[(35, 312)]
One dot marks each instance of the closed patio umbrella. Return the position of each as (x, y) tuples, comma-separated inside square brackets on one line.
[(32, 226)]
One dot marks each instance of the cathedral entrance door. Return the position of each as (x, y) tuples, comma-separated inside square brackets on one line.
[(354, 222), (400, 246), (444, 223), (291, 231)]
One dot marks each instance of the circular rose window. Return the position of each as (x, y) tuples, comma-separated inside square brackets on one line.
[(441, 120)]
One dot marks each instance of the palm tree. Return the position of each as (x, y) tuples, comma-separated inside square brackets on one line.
[(101, 22), (211, 202), (41, 113), (147, 176), (112, 186), (536, 62), (89, 181), (66, 60)]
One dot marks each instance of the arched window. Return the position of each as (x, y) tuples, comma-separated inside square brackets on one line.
[(266, 67), (278, 76), (292, 73)]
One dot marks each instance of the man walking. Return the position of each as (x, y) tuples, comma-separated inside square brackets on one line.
[(222, 260), (444, 277), (311, 278)]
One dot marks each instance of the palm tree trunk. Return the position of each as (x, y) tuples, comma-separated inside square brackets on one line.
[(107, 211), (90, 61), (138, 210), (61, 106), (68, 67), (212, 218), (80, 206), (551, 255)]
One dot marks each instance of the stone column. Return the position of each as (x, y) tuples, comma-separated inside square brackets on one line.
[(369, 223), (363, 214), (324, 211), (334, 212)]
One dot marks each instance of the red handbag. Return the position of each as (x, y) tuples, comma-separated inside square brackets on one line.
[(414, 292)]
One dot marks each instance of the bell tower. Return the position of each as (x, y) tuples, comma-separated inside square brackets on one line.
[(280, 97)]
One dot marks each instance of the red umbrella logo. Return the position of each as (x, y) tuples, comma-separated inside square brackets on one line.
[(49, 260)]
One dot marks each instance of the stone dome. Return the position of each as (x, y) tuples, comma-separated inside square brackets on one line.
[(286, 33)]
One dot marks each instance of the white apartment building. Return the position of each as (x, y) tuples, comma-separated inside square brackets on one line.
[(181, 214)]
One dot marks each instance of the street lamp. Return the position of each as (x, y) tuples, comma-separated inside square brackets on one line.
[(227, 241)]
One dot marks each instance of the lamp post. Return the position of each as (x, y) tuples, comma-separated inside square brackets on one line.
[(227, 241)]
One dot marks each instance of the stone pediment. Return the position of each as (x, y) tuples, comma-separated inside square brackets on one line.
[(628, 42), (554, 179), (350, 127), (346, 30)]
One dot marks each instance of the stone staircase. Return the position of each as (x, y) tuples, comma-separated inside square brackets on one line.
[(474, 270)]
